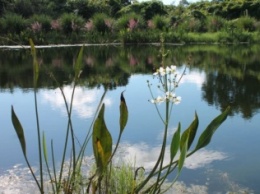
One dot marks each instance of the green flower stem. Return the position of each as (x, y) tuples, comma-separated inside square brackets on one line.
[(156, 104), (165, 133), (54, 166), (39, 138), (69, 128)]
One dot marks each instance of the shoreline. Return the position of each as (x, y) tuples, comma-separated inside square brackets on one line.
[(114, 44)]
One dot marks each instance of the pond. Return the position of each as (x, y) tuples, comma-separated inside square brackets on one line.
[(216, 76)]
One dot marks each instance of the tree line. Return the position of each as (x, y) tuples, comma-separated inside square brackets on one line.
[(127, 21)]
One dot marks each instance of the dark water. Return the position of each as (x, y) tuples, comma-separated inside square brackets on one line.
[(216, 77)]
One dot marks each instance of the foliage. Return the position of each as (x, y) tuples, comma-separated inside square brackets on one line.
[(13, 23), (116, 16), (150, 9), (43, 20), (245, 23), (71, 23), (124, 22), (215, 23), (160, 22), (102, 23)]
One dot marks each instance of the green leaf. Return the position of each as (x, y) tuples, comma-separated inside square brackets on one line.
[(35, 62), (193, 130), (19, 131), (190, 132), (123, 113), (184, 148), (175, 142), (207, 134), (44, 147), (78, 64), (102, 141)]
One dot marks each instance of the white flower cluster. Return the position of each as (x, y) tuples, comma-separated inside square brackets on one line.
[(163, 71), (171, 97), (168, 95)]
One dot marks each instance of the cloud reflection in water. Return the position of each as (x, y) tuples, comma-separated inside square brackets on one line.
[(145, 155), (197, 78), (84, 103)]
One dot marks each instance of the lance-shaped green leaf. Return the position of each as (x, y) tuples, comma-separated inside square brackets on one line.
[(184, 143), (19, 131), (123, 113), (207, 134), (101, 140), (45, 154), (184, 136), (175, 142), (193, 130), (35, 62), (78, 63)]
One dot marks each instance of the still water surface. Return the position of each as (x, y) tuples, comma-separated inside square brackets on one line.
[(216, 76)]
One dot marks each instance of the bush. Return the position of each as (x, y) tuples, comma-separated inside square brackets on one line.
[(138, 36), (43, 20), (71, 23), (245, 23), (192, 25), (153, 8), (160, 22), (102, 23), (215, 23), (130, 21), (13, 23), (23, 7)]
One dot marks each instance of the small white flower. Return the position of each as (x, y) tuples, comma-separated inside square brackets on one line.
[(157, 100), (172, 97), (173, 68), (161, 71), (168, 69), (177, 100)]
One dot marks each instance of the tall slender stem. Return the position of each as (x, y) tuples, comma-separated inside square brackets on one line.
[(39, 138)]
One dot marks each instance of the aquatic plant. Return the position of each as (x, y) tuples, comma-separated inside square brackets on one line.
[(70, 178)]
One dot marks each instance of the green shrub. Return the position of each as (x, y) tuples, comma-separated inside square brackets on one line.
[(23, 7), (44, 20), (152, 8), (71, 23), (160, 22), (126, 22), (215, 23), (200, 37), (257, 26), (102, 23), (192, 25), (13, 23), (236, 36), (127, 36), (245, 23)]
